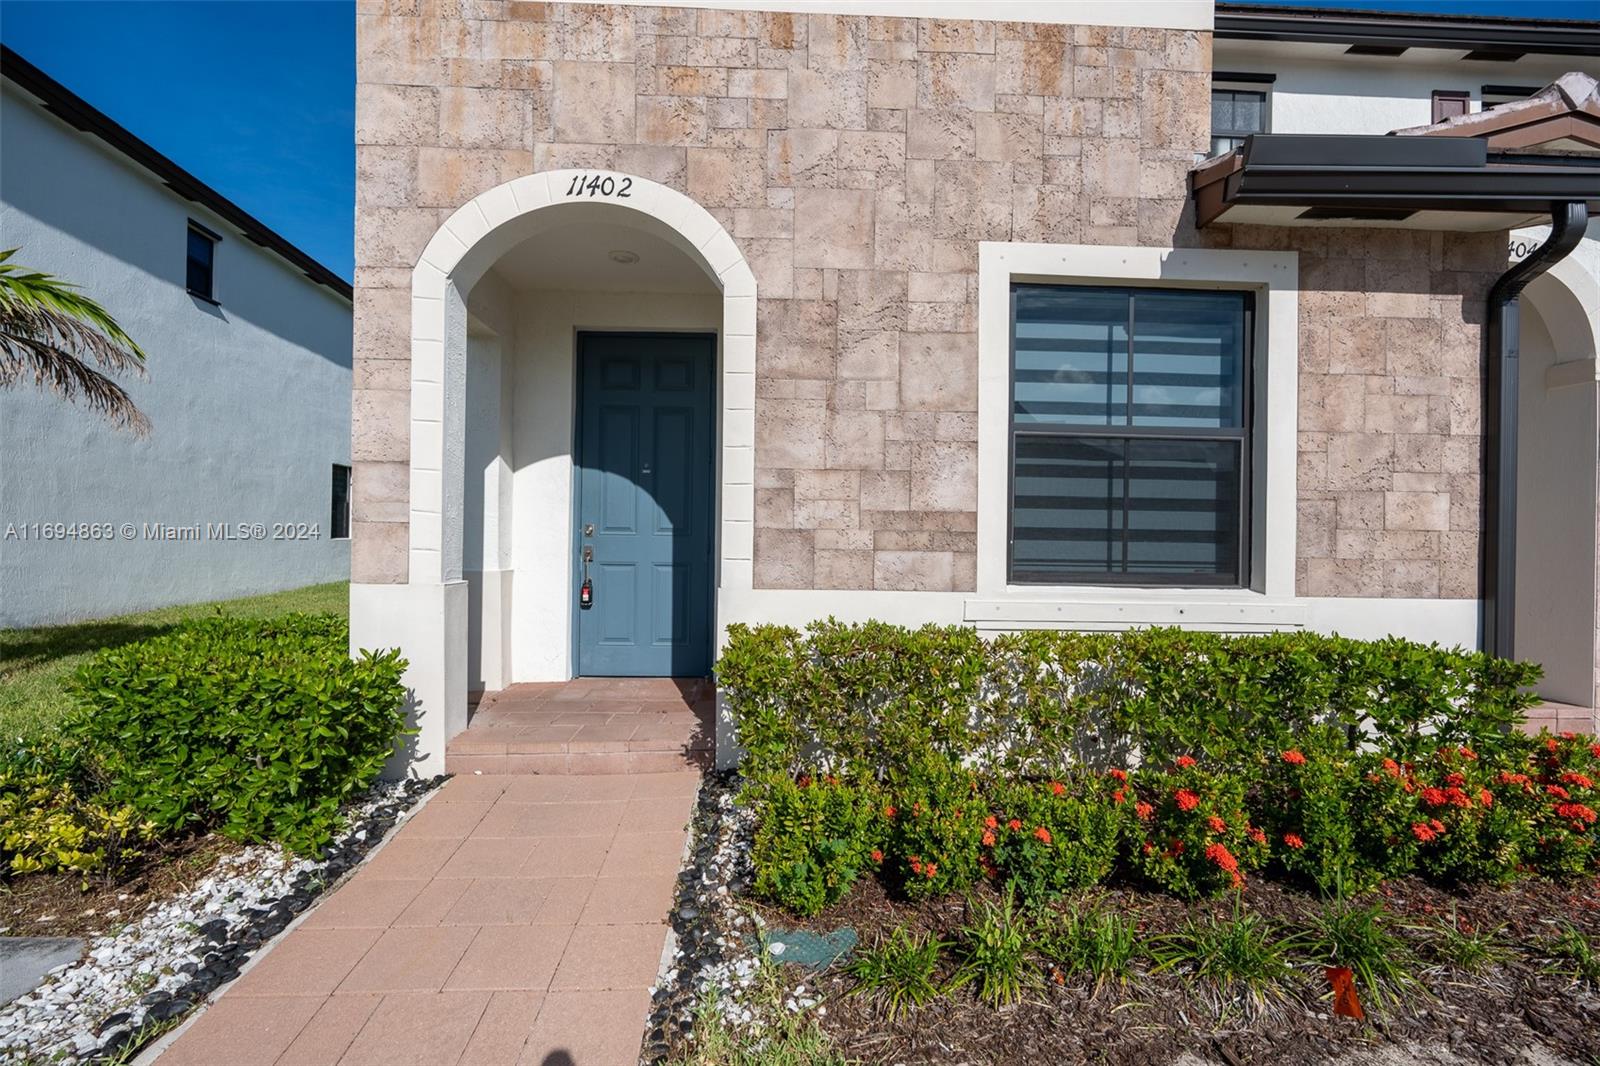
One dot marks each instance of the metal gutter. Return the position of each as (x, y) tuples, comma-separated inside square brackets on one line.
[(78, 113), (1502, 36), (1568, 222)]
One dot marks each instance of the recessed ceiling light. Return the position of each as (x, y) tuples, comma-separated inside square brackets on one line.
[(622, 255)]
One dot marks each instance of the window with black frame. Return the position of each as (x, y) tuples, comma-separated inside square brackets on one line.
[(339, 526), (1235, 115), (1130, 414), (199, 273)]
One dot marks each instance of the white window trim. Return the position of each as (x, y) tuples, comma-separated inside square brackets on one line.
[(1270, 601)]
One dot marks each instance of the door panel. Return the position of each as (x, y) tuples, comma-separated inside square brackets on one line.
[(645, 485)]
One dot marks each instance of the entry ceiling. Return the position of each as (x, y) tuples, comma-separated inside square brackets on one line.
[(576, 257)]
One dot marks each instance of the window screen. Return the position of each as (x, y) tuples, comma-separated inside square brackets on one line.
[(1129, 435)]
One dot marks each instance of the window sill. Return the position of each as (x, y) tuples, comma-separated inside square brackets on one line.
[(1236, 610), (203, 299)]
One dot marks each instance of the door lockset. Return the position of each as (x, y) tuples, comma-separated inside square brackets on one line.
[(586, 590)]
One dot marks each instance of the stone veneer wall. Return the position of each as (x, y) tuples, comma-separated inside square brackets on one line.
[(858, 161)]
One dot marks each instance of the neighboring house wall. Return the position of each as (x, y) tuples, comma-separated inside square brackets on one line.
[(248, 401)]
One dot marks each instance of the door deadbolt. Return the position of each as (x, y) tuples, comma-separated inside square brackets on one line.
[(588, 529)]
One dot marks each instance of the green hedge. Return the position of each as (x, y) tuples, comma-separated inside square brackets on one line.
[(260, 729), (1047, 761), (873, 700)]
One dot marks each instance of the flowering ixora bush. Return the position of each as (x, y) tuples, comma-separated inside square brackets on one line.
[(1048, 762)]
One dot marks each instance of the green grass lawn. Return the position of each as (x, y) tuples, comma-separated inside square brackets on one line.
[(35, 663)]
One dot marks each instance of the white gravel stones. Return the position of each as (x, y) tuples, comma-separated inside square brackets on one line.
[(159, 965)]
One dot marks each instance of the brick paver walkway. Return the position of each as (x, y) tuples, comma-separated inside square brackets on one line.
[(514, 919)]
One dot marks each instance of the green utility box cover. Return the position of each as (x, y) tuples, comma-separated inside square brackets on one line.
[(817, 951)]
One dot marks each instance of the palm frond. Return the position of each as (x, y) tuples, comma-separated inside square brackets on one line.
[(48, 329)]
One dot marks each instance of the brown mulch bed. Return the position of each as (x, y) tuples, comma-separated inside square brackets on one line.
[(1491, 1017), (59, 905)]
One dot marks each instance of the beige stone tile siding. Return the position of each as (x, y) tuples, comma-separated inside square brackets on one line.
[(857, 162)]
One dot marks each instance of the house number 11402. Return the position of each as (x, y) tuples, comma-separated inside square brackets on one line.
[(598, 185)]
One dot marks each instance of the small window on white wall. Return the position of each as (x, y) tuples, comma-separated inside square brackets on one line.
[(200, 270), (339, 523)]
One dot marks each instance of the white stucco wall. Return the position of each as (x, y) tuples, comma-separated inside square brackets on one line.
[(1555, 520), (249, 402)]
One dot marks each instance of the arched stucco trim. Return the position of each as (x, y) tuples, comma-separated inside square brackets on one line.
[(1567, 298), (468, 244)]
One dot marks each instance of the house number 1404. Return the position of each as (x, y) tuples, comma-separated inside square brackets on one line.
[(596, 185)]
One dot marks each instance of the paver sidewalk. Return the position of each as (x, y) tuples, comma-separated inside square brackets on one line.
[(514, 920)]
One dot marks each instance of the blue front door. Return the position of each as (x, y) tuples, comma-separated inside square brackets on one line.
[(645, 504)]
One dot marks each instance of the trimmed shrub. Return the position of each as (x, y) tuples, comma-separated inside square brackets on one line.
[(1307, 797), (1046, 839), (258, 728), (935, 819), (1194, 836), (871, 701), (814, 839)]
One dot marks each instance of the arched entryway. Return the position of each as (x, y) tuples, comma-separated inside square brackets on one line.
[(1557, 603), (583, 358)]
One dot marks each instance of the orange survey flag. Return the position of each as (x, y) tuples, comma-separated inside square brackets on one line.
[(1345, 1002)]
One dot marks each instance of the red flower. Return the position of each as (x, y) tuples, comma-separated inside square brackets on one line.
[(804, 781), (1118, 796), (1550, 744), (1577, 813), (1507, 778), (916, 865), (1467, 753), (1120, 775), (1569, 736), (1257, 835), (1573, 778), (1148, 847), (1293, 840), (1456, 779), (1457, 797), (988, 838), (1594, 749), (1294, 758), (1014, 824), (1422, 832), (1222, 857), (877, 856), (1485, 797), (1143, 810), (1436, 825), (991, 822), (931, 869), (1057, 788), (1391, 767), (1187, 801), (1217, 824), (1558, 792), (1434, 797), (1043, 834), (888, 812), (1184, 762)]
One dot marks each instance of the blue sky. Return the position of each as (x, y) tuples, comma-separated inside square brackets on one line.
[(257, 97)]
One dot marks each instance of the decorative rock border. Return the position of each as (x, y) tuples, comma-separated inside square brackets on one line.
[(716, 941), (160, 967)]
